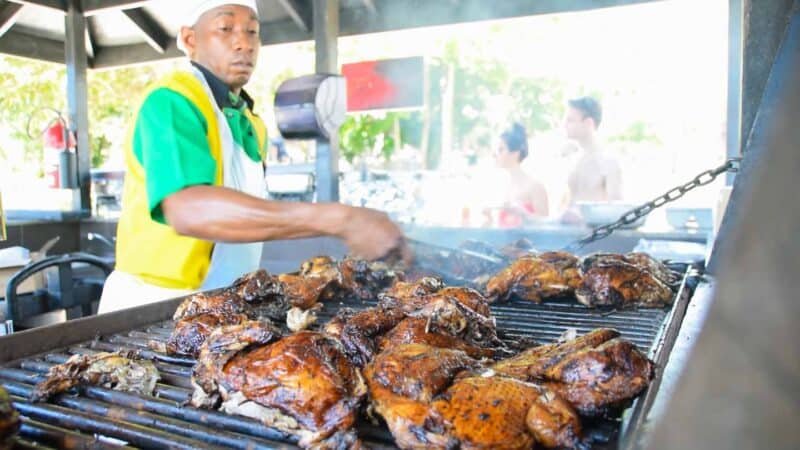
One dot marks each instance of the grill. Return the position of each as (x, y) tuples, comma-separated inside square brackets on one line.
[(102, 418)]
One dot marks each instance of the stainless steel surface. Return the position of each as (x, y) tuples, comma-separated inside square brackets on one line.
[(162, 421), (660, 352), (741, 388)]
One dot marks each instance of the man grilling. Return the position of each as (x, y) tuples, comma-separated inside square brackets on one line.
[(194, 216)]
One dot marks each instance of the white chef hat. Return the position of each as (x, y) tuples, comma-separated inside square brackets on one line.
[(203, 6)]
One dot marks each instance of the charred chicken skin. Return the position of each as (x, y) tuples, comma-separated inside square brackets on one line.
[(190, 332), (406, 291), (421, 330), (201, 314), (445, 318), (360, 332), (122, 371), (536, 278), (222, 303), (257, 287), (412, 388), (364, 279), (302, 384), (9, 420), (616, 280), (596, 373)]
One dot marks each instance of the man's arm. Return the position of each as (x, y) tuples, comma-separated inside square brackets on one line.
[(225, 215)]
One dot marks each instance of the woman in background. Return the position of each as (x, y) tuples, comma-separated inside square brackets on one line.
[(526, 199)]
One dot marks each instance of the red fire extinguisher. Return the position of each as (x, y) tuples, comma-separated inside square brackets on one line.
[(59, 155)]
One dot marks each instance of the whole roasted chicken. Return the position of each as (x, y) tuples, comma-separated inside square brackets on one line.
[(302, 384), (121, 371), (412, 387), (9, 420), (596, 373), (536, 278), (635, 279)]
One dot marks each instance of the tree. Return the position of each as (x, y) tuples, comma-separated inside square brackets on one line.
[(33, 89)]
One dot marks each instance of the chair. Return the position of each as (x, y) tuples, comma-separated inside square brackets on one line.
[(72, 293)]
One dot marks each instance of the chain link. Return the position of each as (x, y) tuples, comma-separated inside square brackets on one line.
[(731, 165)]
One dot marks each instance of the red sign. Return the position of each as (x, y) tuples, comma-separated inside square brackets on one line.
[(385, 84)]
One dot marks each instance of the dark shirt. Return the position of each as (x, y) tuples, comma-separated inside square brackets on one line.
[(222, 92)]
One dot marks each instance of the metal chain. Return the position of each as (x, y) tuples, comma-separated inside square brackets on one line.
[(706, 177)]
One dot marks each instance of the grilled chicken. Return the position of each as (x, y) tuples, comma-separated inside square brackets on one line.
[(306, 291), (121, 371), (402, 382), (257, 287), (406, 291), (411, 387), (596, 373), (449, 317), (202, 313), (365, 279), (536, 278), (221, 303), (190, 332), (504, 413), (302, 384), (411, 298), (421, 330), (9, 420), (359, 333), (629, 280)]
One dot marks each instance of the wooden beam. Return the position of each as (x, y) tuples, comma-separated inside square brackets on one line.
[(299, 11), (155, 36), (395, 15), (58, 5), (9, 12), (90, 39), (25, 45), (92, 7)]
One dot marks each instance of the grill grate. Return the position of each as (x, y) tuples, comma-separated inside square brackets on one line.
[(164, 421)]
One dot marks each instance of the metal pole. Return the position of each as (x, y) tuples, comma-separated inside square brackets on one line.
[(734, 123), (77, 98), (326, 31)]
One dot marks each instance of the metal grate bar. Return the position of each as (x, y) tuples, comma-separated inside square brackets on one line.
[(137, 435), (43, 433)]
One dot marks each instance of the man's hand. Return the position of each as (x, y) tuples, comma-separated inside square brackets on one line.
[(369, 234)]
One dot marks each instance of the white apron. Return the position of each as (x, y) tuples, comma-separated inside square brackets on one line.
[(228, 261)]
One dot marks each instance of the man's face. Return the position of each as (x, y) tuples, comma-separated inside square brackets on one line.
[(576, 125), (226, 41)]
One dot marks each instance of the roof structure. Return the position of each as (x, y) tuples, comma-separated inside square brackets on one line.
[(122, 32)]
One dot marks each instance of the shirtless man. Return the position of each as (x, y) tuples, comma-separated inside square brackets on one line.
[(596, 177)]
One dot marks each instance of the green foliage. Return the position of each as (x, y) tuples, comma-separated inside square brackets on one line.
[(32, 88), (28, 86), (361, 133)]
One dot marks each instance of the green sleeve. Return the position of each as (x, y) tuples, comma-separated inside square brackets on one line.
[(170, 142)]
